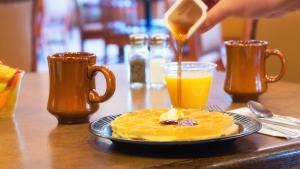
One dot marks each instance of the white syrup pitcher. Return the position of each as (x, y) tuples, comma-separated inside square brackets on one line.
[(184, 17)]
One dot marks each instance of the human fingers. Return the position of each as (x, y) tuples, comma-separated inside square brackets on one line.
[(219, 12), (275, 15)]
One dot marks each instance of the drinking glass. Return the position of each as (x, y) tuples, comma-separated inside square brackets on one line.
[(192, 89)]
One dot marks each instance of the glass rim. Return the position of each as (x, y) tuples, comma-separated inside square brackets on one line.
[(190, 66)]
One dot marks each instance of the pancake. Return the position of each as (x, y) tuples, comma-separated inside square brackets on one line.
[(145, 125)]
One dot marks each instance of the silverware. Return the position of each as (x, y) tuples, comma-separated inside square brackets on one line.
[(262, 112), (292, 119), (212, 108), (291, 126), (259, 110), (289, 134)]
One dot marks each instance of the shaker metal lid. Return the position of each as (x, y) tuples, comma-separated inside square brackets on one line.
[(138, 39), (159, 39)]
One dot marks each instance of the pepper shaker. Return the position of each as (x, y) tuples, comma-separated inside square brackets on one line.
[(138, 69)]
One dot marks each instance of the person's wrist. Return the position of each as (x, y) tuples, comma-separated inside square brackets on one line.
[(294, 4), (297, 4)]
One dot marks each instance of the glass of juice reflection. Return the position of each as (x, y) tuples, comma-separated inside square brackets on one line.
[(194, 80)]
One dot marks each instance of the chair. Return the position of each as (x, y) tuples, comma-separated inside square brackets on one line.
[(38, 20), (237, 28), (17, 40), (211, 47), (212, 41), (110, 25), (90, 25), (56, 23), (284, 34)]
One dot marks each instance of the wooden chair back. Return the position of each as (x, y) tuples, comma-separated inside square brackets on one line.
[(17, 48), (283, 33), (236, 28)]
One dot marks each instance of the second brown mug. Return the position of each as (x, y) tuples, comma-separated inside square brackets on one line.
[(246, 76), (72, 95)]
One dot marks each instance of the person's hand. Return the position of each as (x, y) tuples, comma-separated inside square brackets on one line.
[(247, 9)]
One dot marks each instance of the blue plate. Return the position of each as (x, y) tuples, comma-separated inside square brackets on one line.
[(102, 128)]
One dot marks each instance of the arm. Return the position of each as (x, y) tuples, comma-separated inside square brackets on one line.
[(247, 9)]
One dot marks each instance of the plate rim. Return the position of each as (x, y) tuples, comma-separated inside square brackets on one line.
[(258, 126)]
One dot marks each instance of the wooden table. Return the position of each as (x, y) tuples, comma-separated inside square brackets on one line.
[(34, 140)]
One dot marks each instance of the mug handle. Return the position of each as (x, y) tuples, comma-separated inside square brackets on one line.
[(276, 52), (94, 97)]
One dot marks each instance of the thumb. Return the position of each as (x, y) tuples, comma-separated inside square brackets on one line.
[(214, 16)]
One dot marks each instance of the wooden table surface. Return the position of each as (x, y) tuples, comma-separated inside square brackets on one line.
[(35, 140)]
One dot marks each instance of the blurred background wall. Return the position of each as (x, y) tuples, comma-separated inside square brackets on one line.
[(30, 30), (283, 34)]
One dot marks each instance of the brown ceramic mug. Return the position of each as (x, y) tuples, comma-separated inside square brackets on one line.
[(72, 95), (246, 76)]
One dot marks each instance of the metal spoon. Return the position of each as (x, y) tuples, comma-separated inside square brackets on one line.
[(259, 110), (262, 112)]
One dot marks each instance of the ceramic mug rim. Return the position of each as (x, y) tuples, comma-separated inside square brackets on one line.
[(72, 56), (244, 43)]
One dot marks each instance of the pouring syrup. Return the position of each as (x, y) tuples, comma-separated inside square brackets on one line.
[(182, 20)]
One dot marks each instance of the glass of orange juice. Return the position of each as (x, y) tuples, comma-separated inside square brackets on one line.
[(190, 88)]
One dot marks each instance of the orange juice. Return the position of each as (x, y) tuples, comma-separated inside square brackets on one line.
[(195, 87)]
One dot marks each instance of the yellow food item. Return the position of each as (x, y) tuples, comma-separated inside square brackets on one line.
[(9, 85), (194, 89), (171, 115), (3, 98), (6, 73), (7, 102), (145, 125), (2, 86)]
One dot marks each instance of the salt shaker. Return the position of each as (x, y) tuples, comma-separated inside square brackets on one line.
[(138, 56), (159, 54)]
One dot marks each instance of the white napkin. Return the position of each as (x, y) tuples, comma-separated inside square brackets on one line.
[(266, 128)]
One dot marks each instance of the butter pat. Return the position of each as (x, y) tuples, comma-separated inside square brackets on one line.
[(171, 115)]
